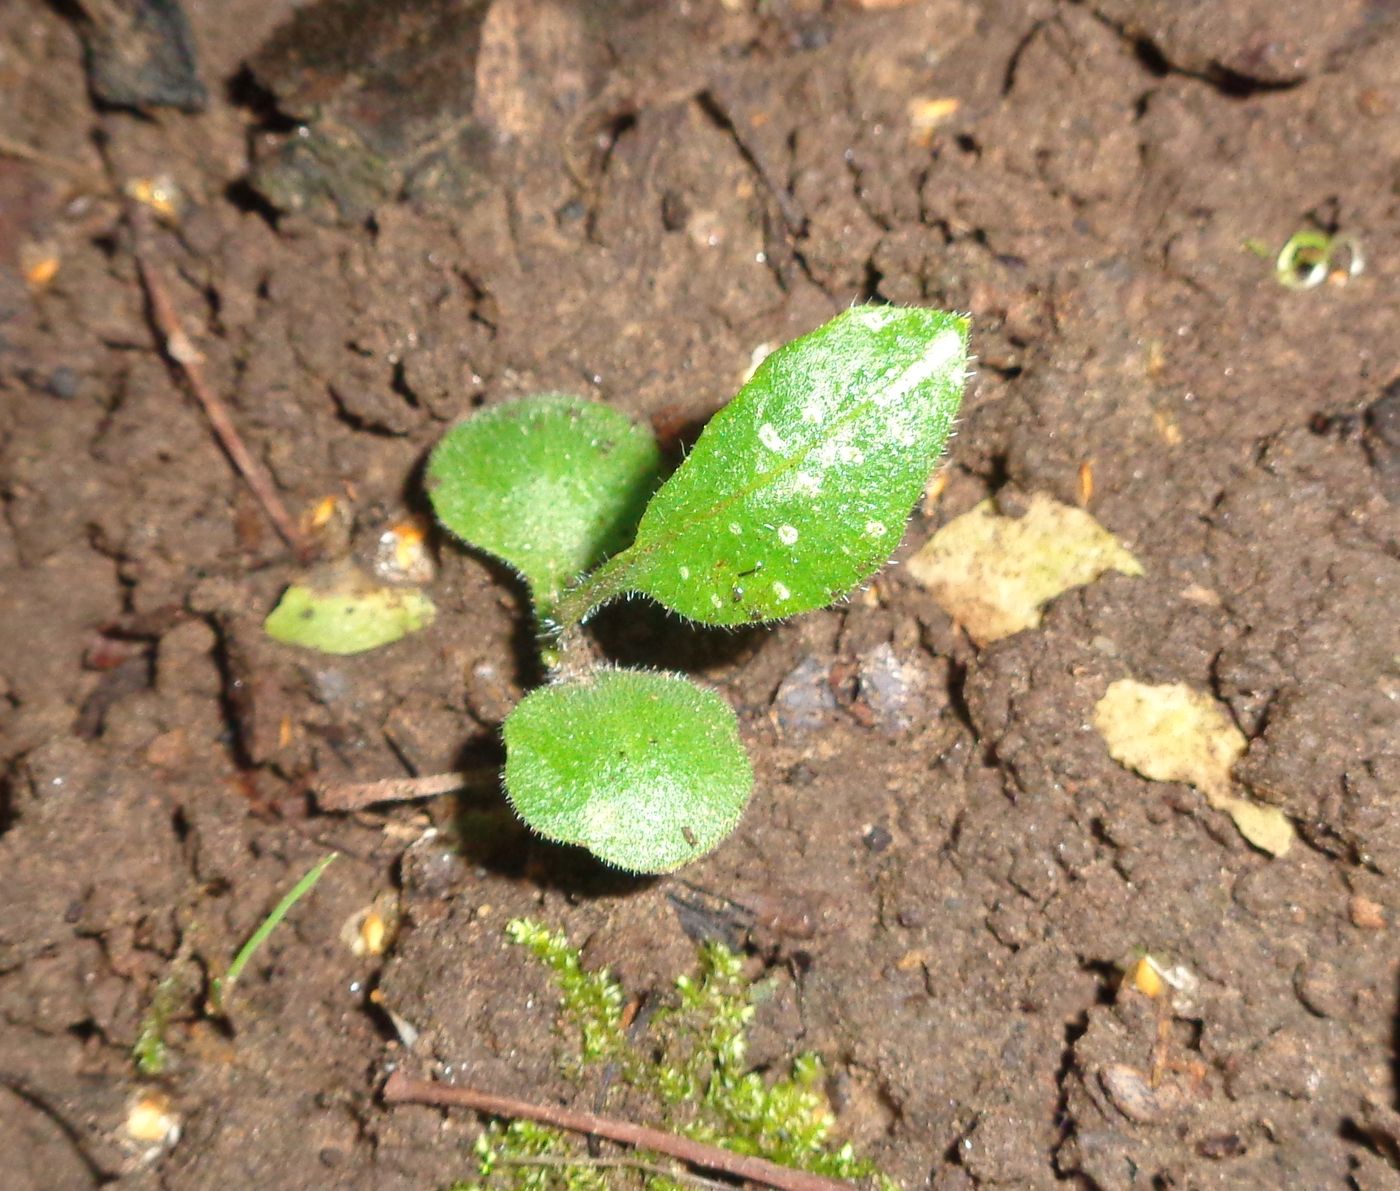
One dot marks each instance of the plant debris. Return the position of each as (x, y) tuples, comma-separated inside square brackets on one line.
[(993, 574), (340, 610), (1172, 733)]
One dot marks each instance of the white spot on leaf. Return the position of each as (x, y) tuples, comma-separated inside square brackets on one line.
[(875, 529), (874, 317), (945, 348), (770, 438), (735, 527), (787, 534), (780, 590)]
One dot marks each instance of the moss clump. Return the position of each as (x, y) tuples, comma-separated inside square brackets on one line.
[(150, 1051), (591, 1001), (691, 1063)]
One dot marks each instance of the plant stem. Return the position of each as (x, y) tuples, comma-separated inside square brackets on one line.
[(570, 655), (400, 1089), (563, 647), (604, 585)]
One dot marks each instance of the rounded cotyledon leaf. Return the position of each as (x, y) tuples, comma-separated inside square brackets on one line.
[(799, 489), (644, 770), (550, 484)]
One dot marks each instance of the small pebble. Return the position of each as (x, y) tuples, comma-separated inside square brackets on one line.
[(1319, 989), (330, 686), (433, 868), (1223, 1145), (1382, 440), (877, 839), (1365, 913), (1129, 1091), (63, 383), (892, 689), (804, 701)]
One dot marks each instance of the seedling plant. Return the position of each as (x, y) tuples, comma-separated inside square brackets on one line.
[(796, 493)]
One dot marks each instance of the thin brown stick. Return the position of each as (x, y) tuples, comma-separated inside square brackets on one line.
[(181, 350), (80, 173), (355, 796), (400, 1089), (670, 1172)]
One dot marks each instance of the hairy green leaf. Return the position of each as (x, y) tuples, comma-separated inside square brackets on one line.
[(550, 484), (645, 770), (340, 610), (799, 489)]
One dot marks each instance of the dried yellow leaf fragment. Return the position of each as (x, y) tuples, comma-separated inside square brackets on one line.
[(151, 1120), (39, 262), (372, 930), (1174, 733), (993, 574), (1145, 977)]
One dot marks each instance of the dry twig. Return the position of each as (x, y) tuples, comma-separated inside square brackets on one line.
[(673, 1173), (72, 169), (181, 350), (355, 796), (400, 1089)]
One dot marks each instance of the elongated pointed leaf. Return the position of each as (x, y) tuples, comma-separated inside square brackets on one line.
[(799, 489), (645, 770), (550, 484)]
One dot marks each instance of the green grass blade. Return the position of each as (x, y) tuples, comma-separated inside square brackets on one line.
[(221, 989)]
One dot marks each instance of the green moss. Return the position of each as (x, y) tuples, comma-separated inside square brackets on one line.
[(506, 1156), (690, 1064), (150, 1051), (591, 1001)]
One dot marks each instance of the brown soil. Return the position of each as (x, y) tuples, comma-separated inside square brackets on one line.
[(625, 200)]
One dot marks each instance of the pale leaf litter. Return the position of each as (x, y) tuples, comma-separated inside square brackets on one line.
[(994, 574), (1174, 733)]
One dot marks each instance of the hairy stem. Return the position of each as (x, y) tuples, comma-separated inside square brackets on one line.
[(581, 601)]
